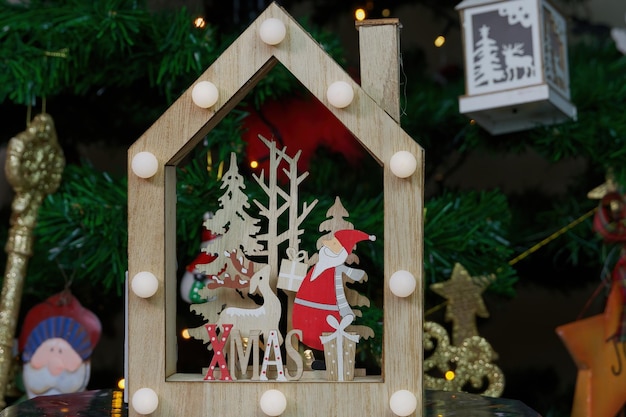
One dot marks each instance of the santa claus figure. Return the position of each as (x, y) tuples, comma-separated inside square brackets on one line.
[(322, 293), (57, 339)]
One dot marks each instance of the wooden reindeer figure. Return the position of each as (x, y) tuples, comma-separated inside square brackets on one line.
[(264, 318), (221, 292)]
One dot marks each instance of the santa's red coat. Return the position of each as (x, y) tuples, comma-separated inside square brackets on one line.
[(315, 300)]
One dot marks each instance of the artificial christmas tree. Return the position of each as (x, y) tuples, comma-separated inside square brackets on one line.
[(101, 92)]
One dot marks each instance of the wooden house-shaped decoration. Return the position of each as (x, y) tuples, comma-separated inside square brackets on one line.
[(516, 66), (154, 386)]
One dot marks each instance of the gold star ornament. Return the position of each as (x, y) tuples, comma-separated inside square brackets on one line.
[(465, 301)]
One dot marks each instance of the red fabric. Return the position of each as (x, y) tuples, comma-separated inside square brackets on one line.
[(301, 124), (312, 321)]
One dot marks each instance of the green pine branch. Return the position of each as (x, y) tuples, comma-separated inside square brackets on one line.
[(83, 231), (48, 48)]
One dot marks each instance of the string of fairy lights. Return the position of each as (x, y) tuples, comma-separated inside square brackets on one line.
[(367, 12), (361, 13)]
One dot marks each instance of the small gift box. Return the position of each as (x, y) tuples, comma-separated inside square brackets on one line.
[(339, 349), (292, 271)]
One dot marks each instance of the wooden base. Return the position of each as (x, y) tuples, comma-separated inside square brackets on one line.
[(106, 403), (309, 376)]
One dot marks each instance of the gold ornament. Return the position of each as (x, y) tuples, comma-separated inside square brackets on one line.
[(469, 363), (464, 295), (609, 186), (34, 167)]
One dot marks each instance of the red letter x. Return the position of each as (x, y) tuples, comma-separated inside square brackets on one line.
[(218, 351)]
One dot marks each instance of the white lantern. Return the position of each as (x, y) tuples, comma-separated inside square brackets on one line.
[(516, 70)]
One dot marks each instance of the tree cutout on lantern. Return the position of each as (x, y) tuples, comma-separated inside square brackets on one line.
[(516, 65), (487, 65)]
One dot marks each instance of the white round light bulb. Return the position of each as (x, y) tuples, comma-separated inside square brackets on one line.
[(272, 31), (402, 283), (340, 94), (145, 164), (145, 401), (144, 284), (273, 402), (204, 94), (403, 403), (403, 164)]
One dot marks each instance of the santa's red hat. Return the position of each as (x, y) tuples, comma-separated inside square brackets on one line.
[(349, 238), (62, 316), (207, 235), (203, 258)]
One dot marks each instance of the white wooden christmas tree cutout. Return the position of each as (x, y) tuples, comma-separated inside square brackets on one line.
[(372, 119)]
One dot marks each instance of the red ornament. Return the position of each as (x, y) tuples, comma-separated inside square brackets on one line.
[(56, 342)]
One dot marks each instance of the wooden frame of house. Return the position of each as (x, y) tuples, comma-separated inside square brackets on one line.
[(372, 117)]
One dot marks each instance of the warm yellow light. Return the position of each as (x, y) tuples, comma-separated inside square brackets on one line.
[(254, 164), (386, 12), (472, 122), (185, 334), (121, 383), (199, 22), (439, 41), (359, 14), (449, 375)]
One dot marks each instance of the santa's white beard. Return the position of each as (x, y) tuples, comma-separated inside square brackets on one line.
[(328, 259), (42, 382)]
